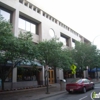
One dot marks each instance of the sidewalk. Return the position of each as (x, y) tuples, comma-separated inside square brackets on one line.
[(35, 93), (32, 94)]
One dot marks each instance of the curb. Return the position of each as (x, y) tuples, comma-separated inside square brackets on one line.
[(24, 90), (49, 95)]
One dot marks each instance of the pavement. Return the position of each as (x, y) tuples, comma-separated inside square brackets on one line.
[(36, 93), (33, 94)]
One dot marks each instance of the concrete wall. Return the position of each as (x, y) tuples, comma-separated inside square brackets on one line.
[(45, 23), (44, 20), (24, 84), (59, 74)]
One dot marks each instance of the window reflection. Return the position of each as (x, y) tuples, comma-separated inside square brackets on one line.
[(5, 14), (21, 23), (63, 40), (33, 28), (73, 44), (28, 26)]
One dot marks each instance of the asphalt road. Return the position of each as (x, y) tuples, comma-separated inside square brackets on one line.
[(76, 96)]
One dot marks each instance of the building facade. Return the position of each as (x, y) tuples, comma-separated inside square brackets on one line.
[(25, 16)]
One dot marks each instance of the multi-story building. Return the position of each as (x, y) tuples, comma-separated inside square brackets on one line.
[(25, 16)]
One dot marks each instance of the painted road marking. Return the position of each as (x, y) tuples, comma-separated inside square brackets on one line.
[(96, 87), (83, 98)]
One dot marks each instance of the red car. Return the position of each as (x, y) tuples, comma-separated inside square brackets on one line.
[(79, 85)]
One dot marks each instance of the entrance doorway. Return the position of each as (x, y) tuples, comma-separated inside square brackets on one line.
[(51, 76)]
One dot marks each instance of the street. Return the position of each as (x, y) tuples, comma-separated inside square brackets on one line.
[(41, 95), (75, 96)]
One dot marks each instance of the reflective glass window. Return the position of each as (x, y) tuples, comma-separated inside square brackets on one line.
[(73, 44), (33, 28), (5, 14), (21, 24), (28, 26), (63, 40)]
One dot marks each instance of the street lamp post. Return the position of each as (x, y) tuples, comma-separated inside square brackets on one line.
[(46, 77), (96, 66), (95, 38)]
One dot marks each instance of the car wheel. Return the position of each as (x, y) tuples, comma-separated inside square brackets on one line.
[(84, 90)]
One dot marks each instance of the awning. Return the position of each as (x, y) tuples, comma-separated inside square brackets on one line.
[(94, 70), (23, 63)]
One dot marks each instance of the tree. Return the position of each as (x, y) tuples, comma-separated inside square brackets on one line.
[(52, 53), (85, 55), (13, 49)]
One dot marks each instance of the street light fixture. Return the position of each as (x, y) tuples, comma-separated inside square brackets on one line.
[(94, 39)]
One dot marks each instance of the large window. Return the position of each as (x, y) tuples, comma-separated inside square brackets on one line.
[(63, 40), (73, 43), (27, 26), (5, 15)]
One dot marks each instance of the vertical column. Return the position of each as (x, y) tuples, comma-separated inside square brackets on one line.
[(57, 75), (24, 1), (28, 4), (61, 74), (14, 75), (41, 12), (15, 18), (15, 22), (57, 22), (82, 39), (70, 42), (40, 31)]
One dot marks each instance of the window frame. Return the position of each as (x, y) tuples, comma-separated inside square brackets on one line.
[(8, 11), (31, 22)]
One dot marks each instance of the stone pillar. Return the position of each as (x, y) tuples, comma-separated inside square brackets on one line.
[(70, 42), (82, 40), (61, 74), (15, 19), (57, 75), (14, 75), (24, 1), (40, 31), (57, 22), (41, 12)]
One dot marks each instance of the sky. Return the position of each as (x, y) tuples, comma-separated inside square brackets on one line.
[(83, 16)]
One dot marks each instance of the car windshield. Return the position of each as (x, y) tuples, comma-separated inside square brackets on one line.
[(76, 81)]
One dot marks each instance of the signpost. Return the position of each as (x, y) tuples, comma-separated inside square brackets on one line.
[(73, 68)]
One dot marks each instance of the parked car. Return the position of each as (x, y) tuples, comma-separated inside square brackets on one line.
[(79, 85)]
